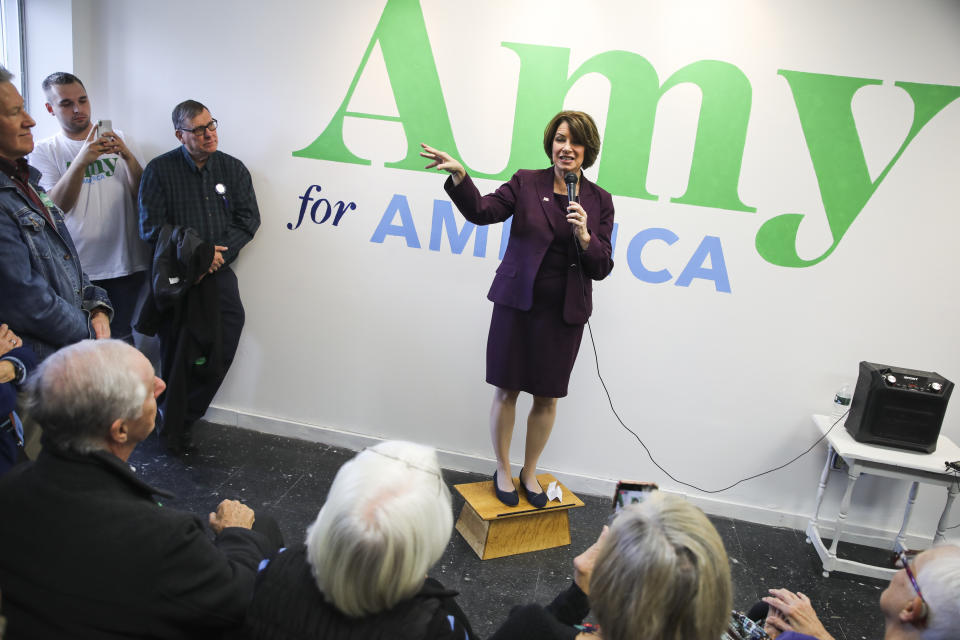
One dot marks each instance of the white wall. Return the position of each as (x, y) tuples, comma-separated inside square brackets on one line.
[(49, 41), (349, 336)]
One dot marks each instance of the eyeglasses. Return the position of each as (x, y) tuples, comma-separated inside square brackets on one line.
[(198, 131), (905, 563), (406, 462), (410, 465)]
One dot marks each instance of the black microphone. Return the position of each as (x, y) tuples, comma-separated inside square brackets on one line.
[(571, 179)]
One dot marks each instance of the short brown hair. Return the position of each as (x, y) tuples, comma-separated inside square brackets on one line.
[(583, 130)]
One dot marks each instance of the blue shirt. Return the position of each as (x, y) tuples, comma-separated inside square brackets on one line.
[(174, 191)]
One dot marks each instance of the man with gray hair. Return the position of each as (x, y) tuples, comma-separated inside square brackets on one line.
[(88, 550), (196, 188), (45, 296)]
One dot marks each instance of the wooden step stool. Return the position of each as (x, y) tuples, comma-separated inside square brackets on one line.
[(493, 530)]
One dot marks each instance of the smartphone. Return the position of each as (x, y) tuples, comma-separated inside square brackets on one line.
[(629, 492), (105, 128)]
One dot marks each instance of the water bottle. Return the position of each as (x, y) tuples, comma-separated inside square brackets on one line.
[(841, 401)]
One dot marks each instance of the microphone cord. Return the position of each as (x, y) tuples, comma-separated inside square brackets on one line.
[(596, 358)]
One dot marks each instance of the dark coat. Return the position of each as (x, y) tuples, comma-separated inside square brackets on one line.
[(88, 553), (180, 256), (525, 197), (287, 605), (553, 622), (186, 314)]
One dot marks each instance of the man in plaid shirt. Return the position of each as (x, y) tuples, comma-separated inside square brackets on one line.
[(197, 187)]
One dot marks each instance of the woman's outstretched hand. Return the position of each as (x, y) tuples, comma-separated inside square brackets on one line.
[(443, 161)]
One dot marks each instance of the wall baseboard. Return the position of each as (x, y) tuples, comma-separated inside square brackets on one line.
[(589, 485)]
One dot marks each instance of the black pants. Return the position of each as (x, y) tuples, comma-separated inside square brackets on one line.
[(231, 324), (200, 392)]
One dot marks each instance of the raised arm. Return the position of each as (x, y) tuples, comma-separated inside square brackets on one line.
[(65, 189), (443, 161), (124, 149)]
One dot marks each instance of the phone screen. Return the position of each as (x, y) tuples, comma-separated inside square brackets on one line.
[(629, 492)]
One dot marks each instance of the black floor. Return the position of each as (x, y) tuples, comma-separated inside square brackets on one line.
[(289, 479)]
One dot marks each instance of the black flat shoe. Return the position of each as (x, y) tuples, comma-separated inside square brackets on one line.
[(539, 500), (509, 498), (180, 444)]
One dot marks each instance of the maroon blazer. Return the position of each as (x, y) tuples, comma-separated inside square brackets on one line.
[(525, 198)]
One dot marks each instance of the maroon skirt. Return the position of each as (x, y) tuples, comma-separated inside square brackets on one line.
[(534, 350)]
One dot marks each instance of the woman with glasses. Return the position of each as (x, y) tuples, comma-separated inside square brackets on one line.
[(922, 602), (363, 571)]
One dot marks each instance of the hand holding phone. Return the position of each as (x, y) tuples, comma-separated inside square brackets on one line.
[(113, 142), (105, 128)]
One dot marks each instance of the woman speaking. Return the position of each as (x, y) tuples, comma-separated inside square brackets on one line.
[(542, 288)]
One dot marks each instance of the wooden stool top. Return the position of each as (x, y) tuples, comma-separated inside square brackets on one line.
[(480, 496)]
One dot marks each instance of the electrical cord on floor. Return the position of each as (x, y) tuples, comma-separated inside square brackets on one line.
[(596, 358)]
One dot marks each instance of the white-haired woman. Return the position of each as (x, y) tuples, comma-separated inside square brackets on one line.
[(362, 572), (659, 572)]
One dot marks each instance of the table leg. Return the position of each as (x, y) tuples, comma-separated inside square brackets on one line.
[(853, 472), (824, 476), (911, 500), (952, 492)]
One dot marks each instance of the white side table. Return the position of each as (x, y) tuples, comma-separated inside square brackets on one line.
[(879, 461)]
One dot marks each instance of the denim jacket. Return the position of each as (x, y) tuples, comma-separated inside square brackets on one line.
[(45, 297)]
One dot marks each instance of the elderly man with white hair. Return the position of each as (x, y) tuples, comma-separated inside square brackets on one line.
[(363, 570), (922, 602), (87, 549)]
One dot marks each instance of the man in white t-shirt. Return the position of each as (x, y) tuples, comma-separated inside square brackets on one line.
[(94, 178)]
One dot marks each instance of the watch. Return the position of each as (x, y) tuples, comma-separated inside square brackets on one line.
[(19, 371)]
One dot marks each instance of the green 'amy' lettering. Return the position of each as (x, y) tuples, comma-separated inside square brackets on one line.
[(543, 84), (823, 106), (402, 35), (635, 92), (826, 116)]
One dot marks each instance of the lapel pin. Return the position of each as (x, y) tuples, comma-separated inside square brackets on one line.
[(221, 190)]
